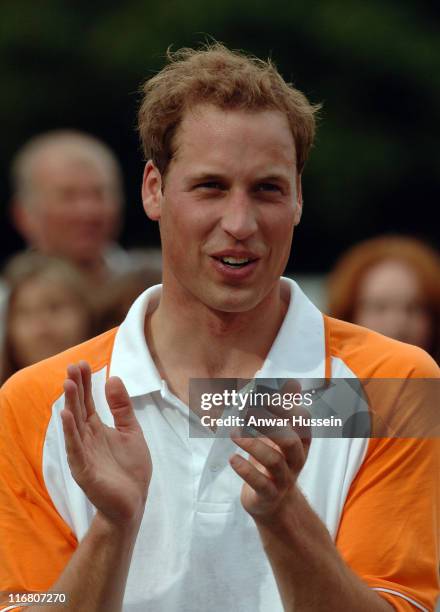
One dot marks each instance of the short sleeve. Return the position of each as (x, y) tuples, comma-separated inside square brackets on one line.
[(35, 542), (390, 526)]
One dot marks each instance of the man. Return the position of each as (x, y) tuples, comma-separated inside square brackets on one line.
[(67, 197), (141, 516)]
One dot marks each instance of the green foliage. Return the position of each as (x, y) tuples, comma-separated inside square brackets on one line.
[(373, 64)]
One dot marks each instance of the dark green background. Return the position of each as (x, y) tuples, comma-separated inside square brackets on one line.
[(375, 66)]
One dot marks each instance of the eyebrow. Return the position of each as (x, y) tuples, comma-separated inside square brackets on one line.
[(272, 177), (216, 176), (206, 176)]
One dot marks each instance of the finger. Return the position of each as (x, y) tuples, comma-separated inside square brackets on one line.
[(268, 456), (281, 431), (73, 443), (285, 404), (294, 451), (286, 440), (297, 416), (288, 397), (71, 403), (293, 448), (120, 405), (87, 385), (260, 483), (291, 386), (74, 373)]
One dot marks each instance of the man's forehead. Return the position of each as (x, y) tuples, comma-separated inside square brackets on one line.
[(204, 115), (211, 128)]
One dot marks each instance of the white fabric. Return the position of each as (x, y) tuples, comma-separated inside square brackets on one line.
[(197, 549)]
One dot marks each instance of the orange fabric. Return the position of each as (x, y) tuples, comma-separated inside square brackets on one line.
[(389, 531), (371, 355), (32, 533)]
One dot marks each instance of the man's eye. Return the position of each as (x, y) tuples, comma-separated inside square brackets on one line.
[(268, 187), (210, 185)]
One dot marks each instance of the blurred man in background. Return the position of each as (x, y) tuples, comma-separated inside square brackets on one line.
[(66, 203), (67, 200)]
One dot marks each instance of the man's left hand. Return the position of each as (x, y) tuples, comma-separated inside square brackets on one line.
[(275, 461)]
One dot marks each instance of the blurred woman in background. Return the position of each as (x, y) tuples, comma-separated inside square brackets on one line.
[(48, 310), (390, 284)]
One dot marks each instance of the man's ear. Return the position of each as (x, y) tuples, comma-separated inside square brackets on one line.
[(152, 191), (299, 200)]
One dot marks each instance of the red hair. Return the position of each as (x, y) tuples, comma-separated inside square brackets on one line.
[(345, 280)]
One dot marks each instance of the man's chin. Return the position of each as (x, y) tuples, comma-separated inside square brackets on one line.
[(240, 302)]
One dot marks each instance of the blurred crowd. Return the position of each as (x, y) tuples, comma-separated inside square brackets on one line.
[(74, 280), (390, 284)]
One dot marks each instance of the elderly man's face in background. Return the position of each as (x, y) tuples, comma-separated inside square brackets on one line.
[(73, 207)]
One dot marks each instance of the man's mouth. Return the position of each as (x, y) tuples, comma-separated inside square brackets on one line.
[(235, 262)]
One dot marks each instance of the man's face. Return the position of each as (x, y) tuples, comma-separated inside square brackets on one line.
[(73, 210), (230, 201)]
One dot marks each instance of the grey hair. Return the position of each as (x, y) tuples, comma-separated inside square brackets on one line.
[(82, 146)]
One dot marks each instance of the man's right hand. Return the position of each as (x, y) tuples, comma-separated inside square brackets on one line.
[(111, 465)]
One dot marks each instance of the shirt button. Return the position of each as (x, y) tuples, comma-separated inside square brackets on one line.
[(215, 467)]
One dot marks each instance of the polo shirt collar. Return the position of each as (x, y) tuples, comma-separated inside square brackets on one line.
[(131, 358), (297, 352)]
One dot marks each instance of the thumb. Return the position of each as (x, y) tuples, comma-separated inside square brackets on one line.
[(120, 405)]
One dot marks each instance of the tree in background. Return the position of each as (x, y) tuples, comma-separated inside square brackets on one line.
[(374, 65)]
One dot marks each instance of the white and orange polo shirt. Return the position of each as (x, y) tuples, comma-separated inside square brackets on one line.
[(197, 549)]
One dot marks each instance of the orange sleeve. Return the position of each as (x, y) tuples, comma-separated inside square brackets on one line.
[(389, 531), (35, 542)]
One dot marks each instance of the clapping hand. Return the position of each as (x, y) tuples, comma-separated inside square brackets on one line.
[(111, 465), (275, 461)]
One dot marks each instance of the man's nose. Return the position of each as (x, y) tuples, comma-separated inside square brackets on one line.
[(239, 218)]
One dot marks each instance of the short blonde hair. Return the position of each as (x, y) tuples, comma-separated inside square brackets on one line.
[(228, 80)]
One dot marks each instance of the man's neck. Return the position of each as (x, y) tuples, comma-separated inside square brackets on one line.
[(194, 341)]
